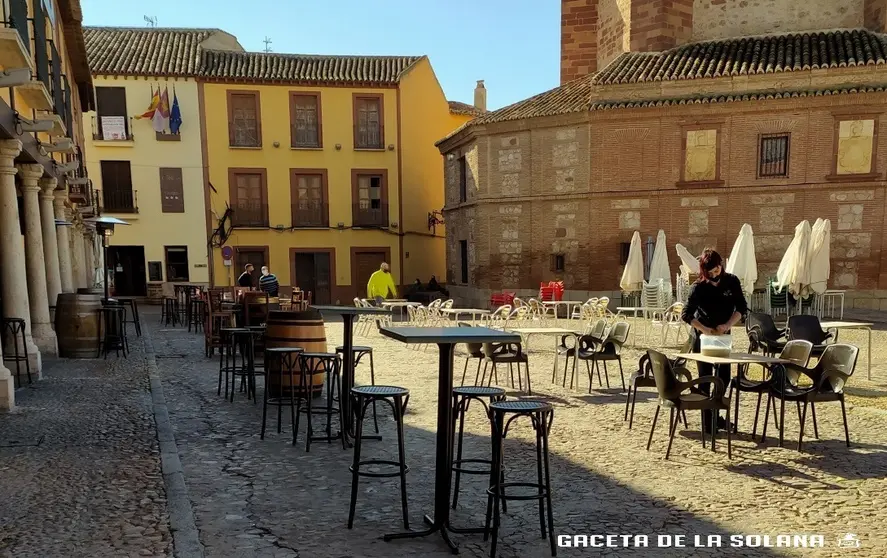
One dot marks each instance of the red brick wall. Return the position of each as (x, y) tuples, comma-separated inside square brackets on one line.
[(875, 15), (660, 24), (579, 27)]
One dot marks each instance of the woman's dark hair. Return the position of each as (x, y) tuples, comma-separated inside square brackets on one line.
[(708, 260)]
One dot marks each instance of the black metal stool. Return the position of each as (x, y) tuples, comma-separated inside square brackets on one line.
[(196, 314), (311, 364), (359, 352), (541, 414), (168, 311), (397, 398), (112, 330), (13, 330), (462, 398), (228, 356), (242, 339), (134, 314), (287, 358)]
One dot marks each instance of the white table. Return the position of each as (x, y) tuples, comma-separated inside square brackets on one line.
[(829, 299), (855, 325), (399, 304), (568, 304), (635, 310), (527, 332), (473, 312)]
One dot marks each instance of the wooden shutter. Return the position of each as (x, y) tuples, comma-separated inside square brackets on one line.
[(172, 195), (116, 176), (244, 128), (111, 101)]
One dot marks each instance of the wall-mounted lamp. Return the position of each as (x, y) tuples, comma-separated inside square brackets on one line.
[(338, 147), (276, 144), (390, 147)]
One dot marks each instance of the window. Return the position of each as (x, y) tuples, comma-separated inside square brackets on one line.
[(176, 263), (117, 193), (112, 123), (370, 191), (172, 195), (773, 156), (244, 119), (463, 180), (558, 263), (368, 123), (309, 195), (463, 257), (305, 120), (249, 197)]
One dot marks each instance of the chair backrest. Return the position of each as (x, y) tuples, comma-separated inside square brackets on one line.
[(650, 296), (357, 302), (619, 334), (777, 299), (765, 323), (603, 304), (435, 303), (447, 304), (518, 302), (797, 352), (805, 326), (839, 358), (666, 383), (597, 330)]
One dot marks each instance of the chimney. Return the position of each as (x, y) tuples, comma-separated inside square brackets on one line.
[(480, 96)]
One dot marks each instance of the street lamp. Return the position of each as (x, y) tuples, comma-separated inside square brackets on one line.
[(104, 225)]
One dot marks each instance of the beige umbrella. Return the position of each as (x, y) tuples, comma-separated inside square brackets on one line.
[(633, 274)]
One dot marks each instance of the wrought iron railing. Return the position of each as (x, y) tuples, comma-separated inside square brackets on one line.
[(69, 111), (249, 214), (310, 214), (119, 201), (15, 15), (368, 214), (41, 52), (58, 94)]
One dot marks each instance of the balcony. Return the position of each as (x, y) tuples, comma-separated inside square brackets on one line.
[(111, 129), (249, 214), (15, 41), (119, 201), (370, 214), (80, 194), (309, 214)]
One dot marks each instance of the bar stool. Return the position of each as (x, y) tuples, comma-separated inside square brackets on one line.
[(227, 356), (359, 352), (397, 398), (462, 398), (541, 414), (13, 330), (287, 359), (242, 338), (311, 364), (134, 312), (112, 330), (196, 314), (168, 313)]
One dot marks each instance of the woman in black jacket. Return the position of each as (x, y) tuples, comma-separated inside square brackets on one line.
[(716, 303)]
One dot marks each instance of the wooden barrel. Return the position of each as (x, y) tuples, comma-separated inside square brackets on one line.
[(294, 329), (77, 324)]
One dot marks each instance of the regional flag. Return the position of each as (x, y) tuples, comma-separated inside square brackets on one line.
[(155, 102)]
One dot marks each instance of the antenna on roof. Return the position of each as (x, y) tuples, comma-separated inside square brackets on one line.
[(267, 42), (151, 21)]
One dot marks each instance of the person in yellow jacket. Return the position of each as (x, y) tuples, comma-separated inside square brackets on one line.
[(381, 284)]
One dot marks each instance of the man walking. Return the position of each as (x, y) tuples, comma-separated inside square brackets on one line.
[(381, 284), (246, 278), (268, 282)]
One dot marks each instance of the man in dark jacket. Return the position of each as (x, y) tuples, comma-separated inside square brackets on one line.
[(246, 278)]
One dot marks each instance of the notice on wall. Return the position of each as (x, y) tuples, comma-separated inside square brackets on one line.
[(114, 127)]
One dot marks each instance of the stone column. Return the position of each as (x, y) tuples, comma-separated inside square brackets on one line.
[(64, 245), (77, 255), (41, 325), (9, 149), (12, 255), (50, 242), (89, 249)]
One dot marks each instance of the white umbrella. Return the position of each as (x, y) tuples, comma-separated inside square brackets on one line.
[(793, 272), (742, 262), (659, 265), (633, 274), (688, 260), (820, 252)]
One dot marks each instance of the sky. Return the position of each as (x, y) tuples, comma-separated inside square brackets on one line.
[(513, 45)]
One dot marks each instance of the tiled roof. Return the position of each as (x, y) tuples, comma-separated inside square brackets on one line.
[(465, 109), (304, 68), (145, 51), (711, 99), (749, 55)]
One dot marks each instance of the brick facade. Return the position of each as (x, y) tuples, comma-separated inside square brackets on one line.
[(660, 24), (579, 38), (581, 184), (875, 15)]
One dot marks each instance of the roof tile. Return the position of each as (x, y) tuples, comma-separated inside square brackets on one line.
[(145, 51), (465, 109), (749, 55)]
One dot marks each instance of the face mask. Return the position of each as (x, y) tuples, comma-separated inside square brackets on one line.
[(715, 280)]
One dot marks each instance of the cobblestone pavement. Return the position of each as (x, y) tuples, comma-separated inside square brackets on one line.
[(268, 498), (93, 486)]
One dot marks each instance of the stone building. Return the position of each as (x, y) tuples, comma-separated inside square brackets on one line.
[(693, 117)]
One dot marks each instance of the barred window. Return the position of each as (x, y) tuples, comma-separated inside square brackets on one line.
[(773, 157)]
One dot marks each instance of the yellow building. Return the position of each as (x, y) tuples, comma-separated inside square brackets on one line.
[(151, 179), (322, 167)]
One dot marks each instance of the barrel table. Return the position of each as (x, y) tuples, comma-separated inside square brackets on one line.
[(77, 324), (295, 329)]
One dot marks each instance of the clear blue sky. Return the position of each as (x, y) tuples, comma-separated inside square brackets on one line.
[(514, 45)]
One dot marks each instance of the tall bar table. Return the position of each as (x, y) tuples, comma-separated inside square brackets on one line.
[(348, 313), (446, 339)]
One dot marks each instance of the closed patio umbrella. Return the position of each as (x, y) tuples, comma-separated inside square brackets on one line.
[(820, 254), (633, 274), (659, 265), (794, 272), (688, 260), (742, 262)]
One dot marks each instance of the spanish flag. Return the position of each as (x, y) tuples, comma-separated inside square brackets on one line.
[(155, 104)]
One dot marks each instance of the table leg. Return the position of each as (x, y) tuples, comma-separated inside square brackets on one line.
[(440, 522), (869, 354), (347, 377)]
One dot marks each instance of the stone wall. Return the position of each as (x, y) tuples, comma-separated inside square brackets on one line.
[(579, 29), (717, 19), (875, 15)]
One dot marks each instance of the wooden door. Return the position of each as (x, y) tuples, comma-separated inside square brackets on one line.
[(365, 264), (314, 274)]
